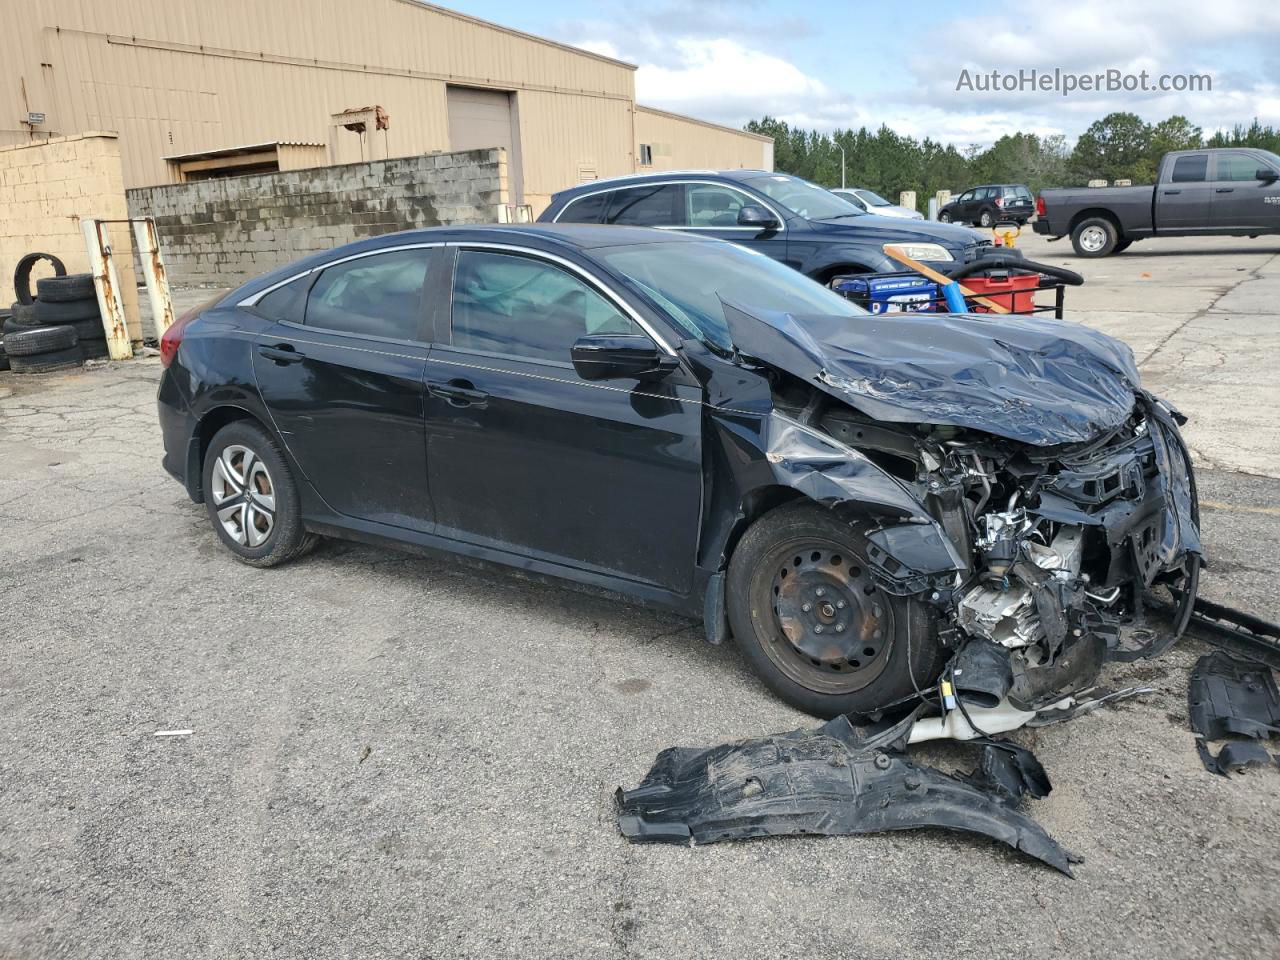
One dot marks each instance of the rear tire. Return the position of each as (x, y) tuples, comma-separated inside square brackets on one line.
[(848, 652), (251, 497), (985, 219), (1094, 237), (1122, 246)]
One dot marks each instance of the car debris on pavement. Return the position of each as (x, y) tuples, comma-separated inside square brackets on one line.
[(1237, 701)]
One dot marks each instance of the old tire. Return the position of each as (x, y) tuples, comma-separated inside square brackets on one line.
[(4, 357), (22, 274), (64, 311), (34, 341), (94, 348), (251, 497), (74, 286), (48, 361), (854, 647), (1094, 237)]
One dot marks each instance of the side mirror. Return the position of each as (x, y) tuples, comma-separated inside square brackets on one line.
[(615, 356), (753, 215), (1266, 175)]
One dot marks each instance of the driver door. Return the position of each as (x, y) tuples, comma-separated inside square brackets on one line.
[(525, 457), (711, 210)]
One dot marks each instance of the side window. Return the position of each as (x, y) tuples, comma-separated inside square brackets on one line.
[(288, 302), (522, 307), (1191, 169), (378, 296), (965, 197), (1237, 166), (653, 205), (588, 209), (986, 193), (711, 205)]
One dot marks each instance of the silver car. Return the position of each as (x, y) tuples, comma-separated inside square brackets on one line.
[(870, 202)]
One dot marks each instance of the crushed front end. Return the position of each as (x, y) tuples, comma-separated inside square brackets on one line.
[(1059, 545)]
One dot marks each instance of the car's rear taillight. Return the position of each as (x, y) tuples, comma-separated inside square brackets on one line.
[(172, 338), (999, 201), (1040, 211)]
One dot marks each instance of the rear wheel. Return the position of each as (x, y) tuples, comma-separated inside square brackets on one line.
[(1122, 246), (811, 621), (985, 219), (252, 498), (1095, 237)]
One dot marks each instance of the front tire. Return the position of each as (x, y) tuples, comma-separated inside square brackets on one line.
[(813, 624), (985, 219), (251, 497), (944, 217), (1095, 237)]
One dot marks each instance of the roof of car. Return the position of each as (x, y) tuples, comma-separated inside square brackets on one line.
[(584, 236), (658, 176)]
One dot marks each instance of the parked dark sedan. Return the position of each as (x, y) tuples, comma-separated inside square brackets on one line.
[(691, 424), (792, 220)]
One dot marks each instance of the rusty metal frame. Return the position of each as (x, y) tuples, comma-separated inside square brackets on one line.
[(106, 281)]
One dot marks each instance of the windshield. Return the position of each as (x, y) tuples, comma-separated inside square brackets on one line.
[(872, 198), (689, 279), (804, 198)]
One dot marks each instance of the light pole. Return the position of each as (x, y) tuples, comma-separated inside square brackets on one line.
[(841, 149)]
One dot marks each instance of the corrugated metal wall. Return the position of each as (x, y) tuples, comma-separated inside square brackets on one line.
[(187, 76), (682, 143)]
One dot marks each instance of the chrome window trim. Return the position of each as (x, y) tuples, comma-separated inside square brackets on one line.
[(572, 267), (782, 223), (253, 298)]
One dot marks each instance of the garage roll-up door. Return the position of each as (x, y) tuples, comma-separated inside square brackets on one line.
[(480, 119)]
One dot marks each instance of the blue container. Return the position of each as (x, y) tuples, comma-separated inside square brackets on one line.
[(889, 293)]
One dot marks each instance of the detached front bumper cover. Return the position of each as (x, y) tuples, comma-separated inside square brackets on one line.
[(838, 779)]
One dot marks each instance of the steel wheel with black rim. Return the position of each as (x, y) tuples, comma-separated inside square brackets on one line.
[(811, 620), (251, 497)]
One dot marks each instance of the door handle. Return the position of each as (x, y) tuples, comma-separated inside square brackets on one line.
[(458, 393), (282, 354), (1225, 190), (1170, 193)]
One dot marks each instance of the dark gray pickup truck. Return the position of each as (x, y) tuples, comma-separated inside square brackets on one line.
[(1226, 192)]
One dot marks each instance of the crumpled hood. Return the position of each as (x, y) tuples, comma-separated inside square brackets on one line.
[(1037, 381)]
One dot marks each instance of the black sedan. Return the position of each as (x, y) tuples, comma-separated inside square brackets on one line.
[(692, 424)]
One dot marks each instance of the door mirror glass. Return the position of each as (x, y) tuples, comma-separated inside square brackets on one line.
[(754, 215), (615, 356)]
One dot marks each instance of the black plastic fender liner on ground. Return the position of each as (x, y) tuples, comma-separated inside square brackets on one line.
[(22, 274), (37, 340), (64, 289), (67, 311), (835, 780)]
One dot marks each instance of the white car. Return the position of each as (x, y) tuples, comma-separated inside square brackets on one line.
[(869, 202)]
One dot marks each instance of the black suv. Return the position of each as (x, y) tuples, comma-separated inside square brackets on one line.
[(991, 204), (792, 220)]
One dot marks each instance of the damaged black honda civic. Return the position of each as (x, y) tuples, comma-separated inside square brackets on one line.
[(874, 507)]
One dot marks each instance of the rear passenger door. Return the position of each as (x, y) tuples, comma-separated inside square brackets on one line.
[(1184, 199), (526, 458), (341, 373)]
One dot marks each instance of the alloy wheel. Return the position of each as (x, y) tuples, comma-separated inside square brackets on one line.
[(243, 496)]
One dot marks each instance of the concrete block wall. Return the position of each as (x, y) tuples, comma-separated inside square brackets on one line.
[(219, 233), (46, 188)]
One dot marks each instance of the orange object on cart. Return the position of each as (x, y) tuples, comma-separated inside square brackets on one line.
[(1015, 291)]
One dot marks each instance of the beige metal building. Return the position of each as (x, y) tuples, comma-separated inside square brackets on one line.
[(199, 89)]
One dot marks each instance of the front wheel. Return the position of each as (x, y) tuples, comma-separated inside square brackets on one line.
[(251, 497), (1095, 237), (811, 621), (986, 219)]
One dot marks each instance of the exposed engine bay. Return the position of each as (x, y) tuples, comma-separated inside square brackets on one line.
[(1058, 547)]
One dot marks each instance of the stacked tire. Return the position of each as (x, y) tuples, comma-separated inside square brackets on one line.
[(60, 327)]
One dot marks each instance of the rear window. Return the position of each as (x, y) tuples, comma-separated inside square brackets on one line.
[(1020, 193), (588, 209), (1190, 169)]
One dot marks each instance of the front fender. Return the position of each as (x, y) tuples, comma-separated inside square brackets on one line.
[(870, 255)]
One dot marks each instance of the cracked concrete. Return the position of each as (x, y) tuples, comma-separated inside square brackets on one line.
[(396, 756)]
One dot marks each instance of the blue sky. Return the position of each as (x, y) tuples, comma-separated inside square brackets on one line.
[(829, 65)]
